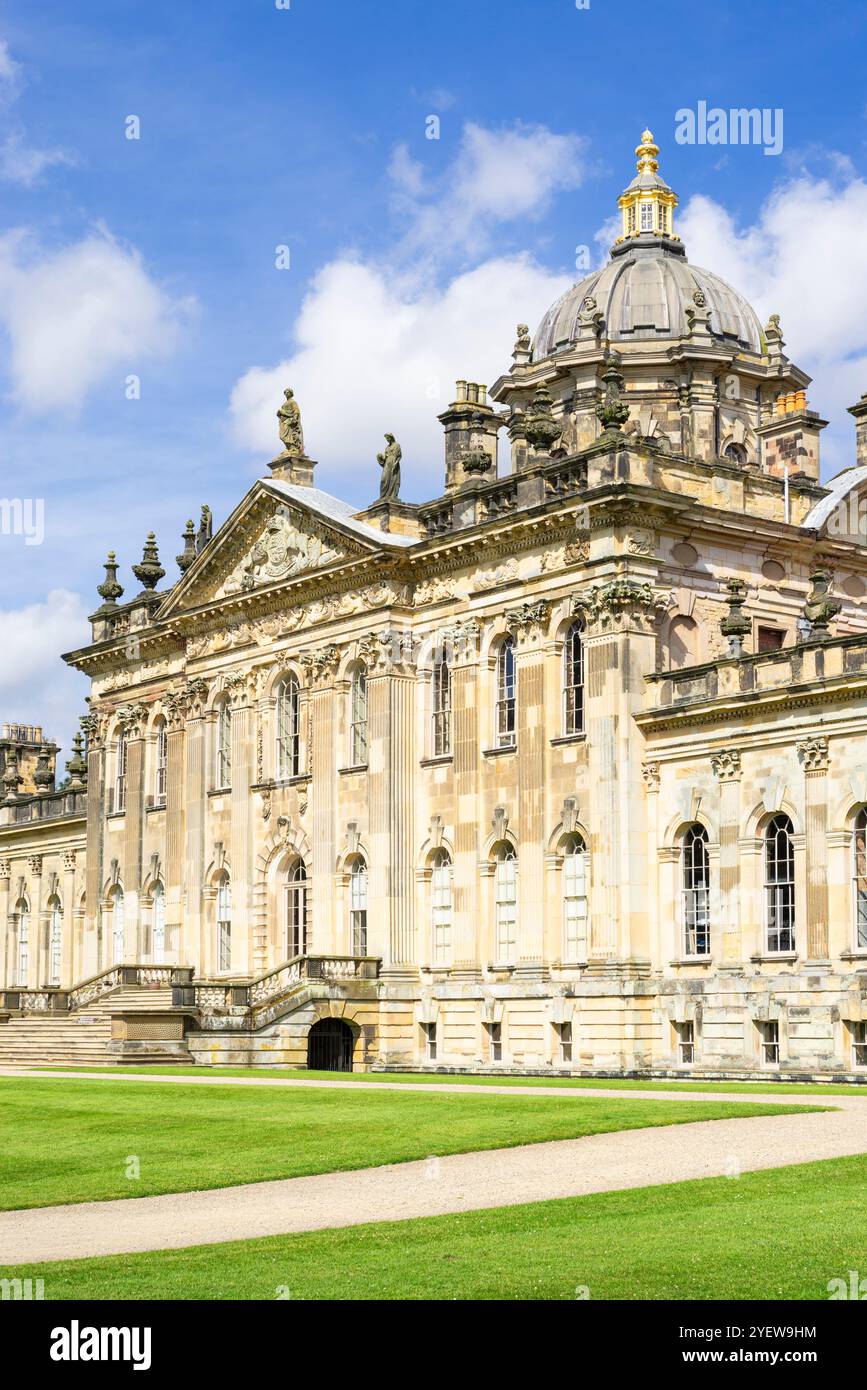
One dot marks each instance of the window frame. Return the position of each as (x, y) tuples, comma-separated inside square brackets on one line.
[(158, 923), (223, 918), (120, 774), (575, 857), (573, 681), (692, 893), (223, 748), (506, 696), (776, 902), (859, 880), (505, 904), (441, 709), (55, 941), (685, 1031), (769, 1042), (359, 897), (441, 907), (22, 945), (359, 714), (287, 728), (296, 897), (162, 762), (118, 925)]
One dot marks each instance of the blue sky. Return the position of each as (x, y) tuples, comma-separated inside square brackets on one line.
[(411, 259)]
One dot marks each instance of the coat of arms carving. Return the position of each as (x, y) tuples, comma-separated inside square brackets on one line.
[(284, 549)]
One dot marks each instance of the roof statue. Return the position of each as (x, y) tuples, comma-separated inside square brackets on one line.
[(289, 418), (389, 462)]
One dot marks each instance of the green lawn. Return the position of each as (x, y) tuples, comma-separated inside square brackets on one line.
[(781, 1234), (70, 1140), (773, 1083)]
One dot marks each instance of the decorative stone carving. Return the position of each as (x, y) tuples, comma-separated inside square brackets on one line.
[(69, 861), (540, 427), (621, 601), (321, 665), (5, 868), (149, 571), (820, 608), (434, 591), (500, 822), (813, 753), (612, 411), (735, 626), (641, 542), (650, 773), (132, 719), (726, 765), (569, 815), (109, 590), (527, 621), (34, 864), (188, 555), (288, 546), (489, 579)]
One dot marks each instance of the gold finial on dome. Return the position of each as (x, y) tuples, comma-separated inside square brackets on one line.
[(647, 152), (647, 205)]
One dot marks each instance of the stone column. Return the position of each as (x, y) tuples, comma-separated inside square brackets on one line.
[(727, 771), (391, 759), (466, 743), (94, 956), (36, 947), (132, 719), (6, 958), (243, 696), (527, 625), (813, 753), (176, 707), (620, 648), (67, 956), (192, 946), (322, 763)]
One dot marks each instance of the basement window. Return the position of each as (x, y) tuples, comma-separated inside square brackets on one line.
[(565, 1042), (429, 1032), (495, 1037), (769, 1034), (859, 1044), (685, 1043)]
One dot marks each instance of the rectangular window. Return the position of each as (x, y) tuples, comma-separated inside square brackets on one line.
[(647, 217), (630, 226), (358, 719), (769, 639), (506, 696), (685, 1043), (224, 747), (859, 1044), (495, 1036), (441, 711), (430, 1040), (565, 1042), (769, 1033), (162, 766), (120, 778), (506, 910)]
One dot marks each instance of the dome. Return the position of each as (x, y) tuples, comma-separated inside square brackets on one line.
[(643, 293)]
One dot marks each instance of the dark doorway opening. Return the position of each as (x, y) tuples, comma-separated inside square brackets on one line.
[(329, 1046)]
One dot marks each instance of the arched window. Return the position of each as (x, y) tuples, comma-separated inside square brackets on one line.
[(120, 773), (682, 642), (223, 769), (358, 718), (296, 910), (162, 749), (288, 729), (116, 907), (780, 885), (358, 907), (695, 891), (159, 924), (505, 706), (505, 904), (441, 710), (441, 907), (860, 874), (736, 453), (573, 681), (55, 940), (574, 899), (22, 912), (224, 922)]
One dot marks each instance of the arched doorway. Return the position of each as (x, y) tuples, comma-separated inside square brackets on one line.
[(329, 1046)]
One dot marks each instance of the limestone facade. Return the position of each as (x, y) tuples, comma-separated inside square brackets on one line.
[(565, 769)]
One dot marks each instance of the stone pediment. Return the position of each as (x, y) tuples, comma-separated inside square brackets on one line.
[(267, 540), (289, 544)]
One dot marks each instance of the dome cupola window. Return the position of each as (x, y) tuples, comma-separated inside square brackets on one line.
[(647, 205)]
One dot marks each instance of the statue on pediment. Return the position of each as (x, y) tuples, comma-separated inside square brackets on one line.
[(389, 462), (289, 420)]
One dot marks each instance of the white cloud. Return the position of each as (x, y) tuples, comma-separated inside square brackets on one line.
[(37, 688), (21, 163), (9, 69), (497, 176), (376, 354), (380, 343), (78, 314), (805, 258)]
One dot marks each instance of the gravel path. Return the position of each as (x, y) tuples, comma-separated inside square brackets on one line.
[(436, 1186)]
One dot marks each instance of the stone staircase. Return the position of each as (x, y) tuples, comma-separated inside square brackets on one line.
[(36, 1041)]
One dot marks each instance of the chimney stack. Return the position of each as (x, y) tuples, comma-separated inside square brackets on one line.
[(470, 426), (860, 413)]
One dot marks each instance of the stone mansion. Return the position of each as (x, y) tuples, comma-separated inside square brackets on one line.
[(563, 770)]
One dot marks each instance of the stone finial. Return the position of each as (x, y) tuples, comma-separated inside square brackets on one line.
[(149, 571), (540, 427), (110, 590), (43, 773), (820, 608), (612, 410), (77, 765), (389, 462), (186, 558), (521, 351), (12, 778), (735, 625)]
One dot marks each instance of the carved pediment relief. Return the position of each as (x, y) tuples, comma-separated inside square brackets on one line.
[(289, 544)]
